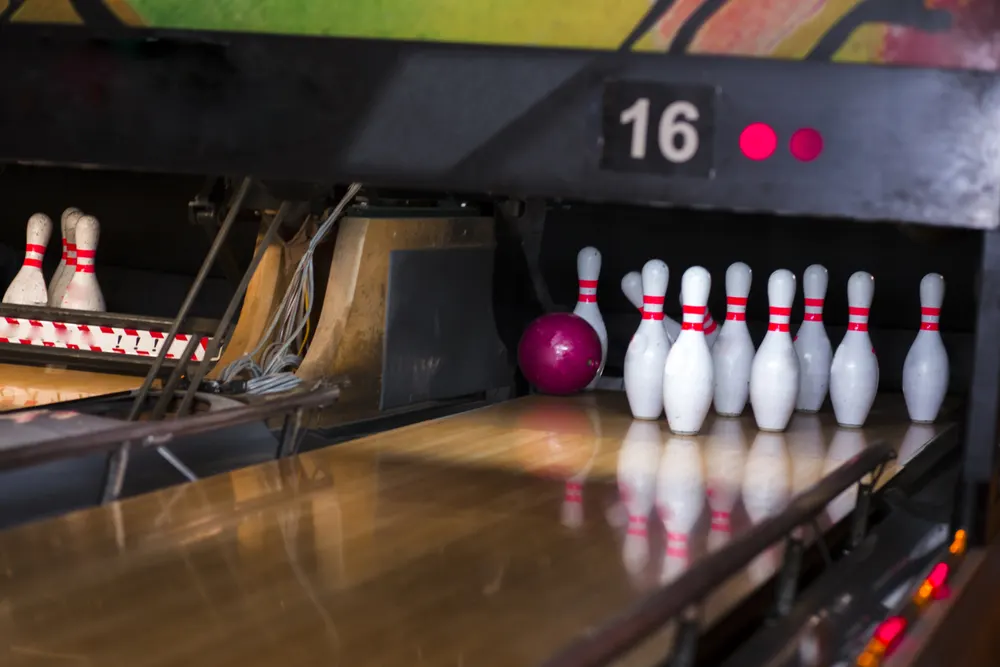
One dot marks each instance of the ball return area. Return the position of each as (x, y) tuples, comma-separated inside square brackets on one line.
[(501, 535)]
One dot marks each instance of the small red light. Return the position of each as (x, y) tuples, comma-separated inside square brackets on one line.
[(758, 141), (938, 576), (890, 631), (806, 144)]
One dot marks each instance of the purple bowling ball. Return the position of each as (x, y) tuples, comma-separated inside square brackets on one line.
[(559, 353)]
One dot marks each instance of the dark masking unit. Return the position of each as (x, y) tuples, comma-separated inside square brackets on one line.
[(299, 423)]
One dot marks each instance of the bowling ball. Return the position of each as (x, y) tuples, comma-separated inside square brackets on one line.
[(559, 353)]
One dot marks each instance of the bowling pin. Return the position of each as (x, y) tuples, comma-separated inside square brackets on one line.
[(83, 291), (733, 352), (67, 265), (28, 287), (680, 497), (925, 371), (725, 457), (774, 375), (588, 270), (638, 460), (688, 377), (854, 371), (711, 329), (812, 345), (632, 289), (647, 351)]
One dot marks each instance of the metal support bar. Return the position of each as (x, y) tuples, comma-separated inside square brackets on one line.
[(788, 578), (291, 434), (979, 465), (215, 344), (824, 551), (114, 475), (859, 523), (685, 652)]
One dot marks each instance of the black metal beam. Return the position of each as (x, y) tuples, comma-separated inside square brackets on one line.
[(900, 143)]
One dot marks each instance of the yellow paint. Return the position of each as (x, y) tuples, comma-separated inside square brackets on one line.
[(864, 45), (125, 13), (47, 11), (805, 37)]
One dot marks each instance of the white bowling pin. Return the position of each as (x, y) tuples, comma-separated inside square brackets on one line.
[(812, 344), (66, 252), (854, 371), (57, 286), (648, 349), (638, 460), (733, 352), (28, 287), (925, 371), (83, 291), (632, 289), (774, 376), (680, 497), (711, 329), (725, 457), (588, 270), (688, 377)]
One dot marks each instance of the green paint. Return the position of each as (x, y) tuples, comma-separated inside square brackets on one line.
[(565, 23)]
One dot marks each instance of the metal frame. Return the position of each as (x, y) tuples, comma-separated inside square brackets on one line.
[(904, 144)]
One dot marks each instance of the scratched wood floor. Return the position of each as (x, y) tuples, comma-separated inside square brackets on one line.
[(461, 541)]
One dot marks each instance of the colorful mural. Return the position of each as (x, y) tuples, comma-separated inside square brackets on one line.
[(933, 33)]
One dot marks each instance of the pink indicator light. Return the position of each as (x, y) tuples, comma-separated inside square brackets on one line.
[(806, 144), (758, 141)]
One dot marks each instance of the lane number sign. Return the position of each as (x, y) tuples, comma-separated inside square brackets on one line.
[(658, 128)]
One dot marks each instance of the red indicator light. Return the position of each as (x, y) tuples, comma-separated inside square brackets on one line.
[(938, 576), (806, 144), (758, 141), (890, 632)]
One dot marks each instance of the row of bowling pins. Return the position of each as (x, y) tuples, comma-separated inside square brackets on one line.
[(74, 284), (783, 374), (677, 478)]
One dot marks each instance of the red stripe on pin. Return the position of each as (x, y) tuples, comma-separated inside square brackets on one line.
[(587, 298), (929, 326), (857, 326), (652, 314), (857, 312), (737, 316), (813, 317), (813, 303), (85, 254), (736, 300), (777, 311), (588, 284), (930, 312), (694, 310), (33, 263), (653, 300), (693, 326), (778, 326), (84, 268), (34, 247)]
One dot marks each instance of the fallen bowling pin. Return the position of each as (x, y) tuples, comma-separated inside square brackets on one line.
[(632, 289), (83, 291), (28, 287), (67, 265), (925, 371)]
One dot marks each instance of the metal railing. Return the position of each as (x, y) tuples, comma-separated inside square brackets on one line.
[(628, 630), (157, 433)]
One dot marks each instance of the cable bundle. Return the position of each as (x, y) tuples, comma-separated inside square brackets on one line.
[(276, 369)]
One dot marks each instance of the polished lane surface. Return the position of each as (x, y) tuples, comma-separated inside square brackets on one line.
[(29, 386), (490, 538)]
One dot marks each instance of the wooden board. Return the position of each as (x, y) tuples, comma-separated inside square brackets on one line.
[(28, 386), (489, 538)]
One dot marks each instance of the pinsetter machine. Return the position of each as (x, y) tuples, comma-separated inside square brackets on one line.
[(297, 430)]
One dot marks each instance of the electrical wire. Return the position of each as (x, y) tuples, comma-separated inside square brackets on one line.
[(272, 367)]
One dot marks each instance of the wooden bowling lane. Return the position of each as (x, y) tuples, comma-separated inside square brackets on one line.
[(30, 386), (490, 538)]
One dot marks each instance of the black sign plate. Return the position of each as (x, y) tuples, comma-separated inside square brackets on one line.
[(658, 128)]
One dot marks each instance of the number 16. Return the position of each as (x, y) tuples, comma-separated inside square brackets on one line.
[(675, 121)]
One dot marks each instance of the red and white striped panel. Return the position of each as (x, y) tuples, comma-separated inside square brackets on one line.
[(94, 338)]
